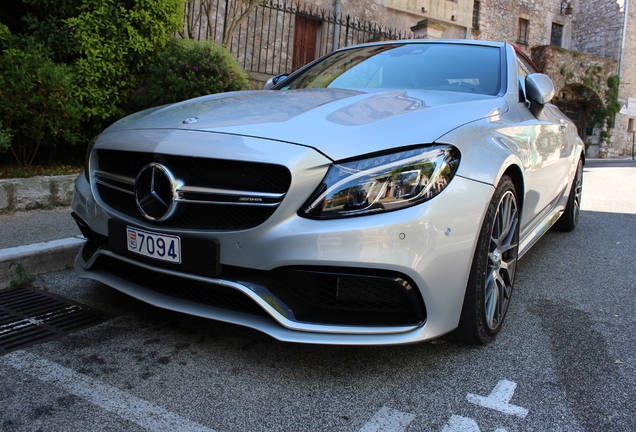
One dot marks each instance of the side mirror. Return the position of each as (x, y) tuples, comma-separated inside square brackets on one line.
[(539, 88), (274, 80)]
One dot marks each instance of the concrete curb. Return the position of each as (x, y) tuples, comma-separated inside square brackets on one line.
[(38, 258), (41, 192)]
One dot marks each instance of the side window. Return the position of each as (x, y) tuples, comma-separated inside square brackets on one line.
[(523, 73), (525, 67)]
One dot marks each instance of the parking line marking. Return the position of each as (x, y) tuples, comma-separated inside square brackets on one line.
[(388, 420), (499, 399), (137, 410), (463, 424)]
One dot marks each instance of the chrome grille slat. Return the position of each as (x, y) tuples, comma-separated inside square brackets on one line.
[(215, 191), (110, 185), (119, 178), (229, 203)]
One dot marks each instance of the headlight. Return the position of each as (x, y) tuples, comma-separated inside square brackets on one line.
[(383, 183), (87, 165)]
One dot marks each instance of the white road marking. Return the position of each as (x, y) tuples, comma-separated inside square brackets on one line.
[(499, 399), (463, 424), (388, 420), (137, 410)]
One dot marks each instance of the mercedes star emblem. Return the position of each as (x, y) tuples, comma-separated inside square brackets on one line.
[(155, 192)]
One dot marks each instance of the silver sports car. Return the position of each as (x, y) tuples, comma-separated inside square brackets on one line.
[(382, 194)]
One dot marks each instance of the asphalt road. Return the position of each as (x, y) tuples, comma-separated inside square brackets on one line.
[(565, 360)]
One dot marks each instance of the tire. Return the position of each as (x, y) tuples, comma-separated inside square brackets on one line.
[(493, 269), (570, 217)]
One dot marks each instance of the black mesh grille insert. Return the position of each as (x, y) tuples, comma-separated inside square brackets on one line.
[(198, 172), (355, 299), (183, 288)]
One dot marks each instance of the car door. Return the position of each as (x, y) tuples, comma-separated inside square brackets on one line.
[(548, 158)]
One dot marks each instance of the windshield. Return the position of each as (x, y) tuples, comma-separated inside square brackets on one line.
[(444, 67)]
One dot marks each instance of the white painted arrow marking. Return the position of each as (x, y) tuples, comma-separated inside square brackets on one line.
[(499, 399), (388, 420)]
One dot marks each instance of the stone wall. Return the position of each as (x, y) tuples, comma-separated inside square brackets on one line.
[(598, 28), (580, 79), (36, 193), (567, 67)]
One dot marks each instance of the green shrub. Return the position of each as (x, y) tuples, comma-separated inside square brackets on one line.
[(5, 139), (4, 32), (188, 69), (115, 41), (106, 43), (37, 103)]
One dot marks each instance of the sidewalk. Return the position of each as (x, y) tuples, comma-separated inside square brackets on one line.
[(42, 239)]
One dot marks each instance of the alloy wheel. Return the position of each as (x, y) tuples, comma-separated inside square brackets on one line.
[(502, 260)]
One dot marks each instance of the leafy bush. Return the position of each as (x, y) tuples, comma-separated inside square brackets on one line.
[(108, 43), (4, 32), (115, 41), (5, 139), (37, 103), (187, 69)]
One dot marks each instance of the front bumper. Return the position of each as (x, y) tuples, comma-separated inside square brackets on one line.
[(426, 245)]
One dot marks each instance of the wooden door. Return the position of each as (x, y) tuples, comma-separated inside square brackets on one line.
[(305, 39)]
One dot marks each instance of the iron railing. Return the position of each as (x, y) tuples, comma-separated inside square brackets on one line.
[(279, 37)]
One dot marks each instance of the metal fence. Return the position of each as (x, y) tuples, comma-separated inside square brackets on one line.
[(280, 37)]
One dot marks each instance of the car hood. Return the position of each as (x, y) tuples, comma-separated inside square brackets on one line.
[(339, 123)]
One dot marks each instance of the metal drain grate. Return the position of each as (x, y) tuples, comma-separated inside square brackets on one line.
[(29, 316)]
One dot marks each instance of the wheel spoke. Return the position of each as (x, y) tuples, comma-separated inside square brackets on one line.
[(492, 299)]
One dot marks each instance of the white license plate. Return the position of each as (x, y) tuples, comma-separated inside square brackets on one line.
[(158, 246)]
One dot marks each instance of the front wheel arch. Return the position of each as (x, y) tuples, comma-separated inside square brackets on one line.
[(493, 268), (516, 175)]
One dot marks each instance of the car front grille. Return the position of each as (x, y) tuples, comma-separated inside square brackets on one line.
[(213, 194)]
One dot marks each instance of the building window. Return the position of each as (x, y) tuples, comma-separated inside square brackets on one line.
[(556, 37), (476, 15), (522, 37)]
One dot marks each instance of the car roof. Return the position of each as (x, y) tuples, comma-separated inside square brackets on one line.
[(432, 41)]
